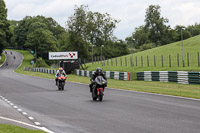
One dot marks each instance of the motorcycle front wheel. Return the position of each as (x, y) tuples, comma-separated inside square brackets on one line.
[(100, 94)]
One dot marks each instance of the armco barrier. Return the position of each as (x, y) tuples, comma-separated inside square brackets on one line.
[(109, 74), (181, 77)]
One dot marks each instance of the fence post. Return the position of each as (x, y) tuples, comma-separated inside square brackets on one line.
[(84, 61), (111, 62), (169, 60), (121, 61), (107, 62), (136, 61), (188, 60), (125, 62), (178, 59), (132, 63), (162, 60), (154, 61), (147, 61), (116, 61), (198, 59), (104, 61), (131, 60), (141, 61)]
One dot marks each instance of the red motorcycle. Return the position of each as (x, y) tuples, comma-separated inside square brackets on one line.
[(61, 82)]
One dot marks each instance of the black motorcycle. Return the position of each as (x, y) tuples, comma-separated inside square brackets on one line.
[(98, 88)]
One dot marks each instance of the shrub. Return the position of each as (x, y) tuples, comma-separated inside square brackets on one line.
[(41, 63)]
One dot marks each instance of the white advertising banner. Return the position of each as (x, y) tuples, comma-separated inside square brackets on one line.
[(63, 55)]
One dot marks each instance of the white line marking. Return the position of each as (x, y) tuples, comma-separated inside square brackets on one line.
[(15, 107), (8, 101), (31, 118), (37, 123), (5, 99), (19, 110), (23, 123), (24, 113), (11, 104)]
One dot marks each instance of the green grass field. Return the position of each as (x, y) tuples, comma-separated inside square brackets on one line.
[(190, 48), (2, 59), (15, 129)]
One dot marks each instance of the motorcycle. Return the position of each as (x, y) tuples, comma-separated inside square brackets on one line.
[(98, 88), (61, 82)]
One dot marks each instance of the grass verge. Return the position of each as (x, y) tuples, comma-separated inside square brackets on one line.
[(2, 59), (4, 128), (191, 91)]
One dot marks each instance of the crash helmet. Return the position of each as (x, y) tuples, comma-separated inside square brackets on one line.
[(60, 69), (99, 71)]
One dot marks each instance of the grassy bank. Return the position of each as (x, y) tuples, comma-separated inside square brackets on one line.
[(2, 59), (151, 60), (15, 129)]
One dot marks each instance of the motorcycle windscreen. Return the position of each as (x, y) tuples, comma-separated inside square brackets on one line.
[(100, 80)]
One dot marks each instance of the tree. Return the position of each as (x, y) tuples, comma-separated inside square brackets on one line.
[(156, 25), (99, 28), (42, 40), (5, 33), (13, 25), (28, 24), (186, 34), (91, 28), (194, 29)]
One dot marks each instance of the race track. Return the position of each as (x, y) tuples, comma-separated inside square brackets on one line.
[(74, 111)]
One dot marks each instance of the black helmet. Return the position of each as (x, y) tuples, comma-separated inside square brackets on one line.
[(99, 71)]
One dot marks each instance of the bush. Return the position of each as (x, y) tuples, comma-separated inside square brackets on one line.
[(147, 46), (41, 63)]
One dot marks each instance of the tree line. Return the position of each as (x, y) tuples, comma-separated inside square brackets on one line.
[(156, 32), (86, 32)]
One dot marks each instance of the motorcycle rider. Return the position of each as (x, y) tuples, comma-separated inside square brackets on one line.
[(98, 72), (59, 73)]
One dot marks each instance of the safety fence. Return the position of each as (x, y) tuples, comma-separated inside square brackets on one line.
[(170, 76), (109, 74)]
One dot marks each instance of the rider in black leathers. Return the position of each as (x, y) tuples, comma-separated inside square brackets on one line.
[(98, 72)]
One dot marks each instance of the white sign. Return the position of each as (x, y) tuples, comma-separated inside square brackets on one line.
[(63, 55)]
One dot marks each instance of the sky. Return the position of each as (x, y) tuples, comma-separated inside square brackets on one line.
[(131, 13)]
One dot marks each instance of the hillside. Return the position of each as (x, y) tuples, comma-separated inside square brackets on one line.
[(171, 55)]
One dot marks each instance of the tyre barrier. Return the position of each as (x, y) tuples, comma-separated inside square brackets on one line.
[(181, 77), (43, 70), (109, 74)]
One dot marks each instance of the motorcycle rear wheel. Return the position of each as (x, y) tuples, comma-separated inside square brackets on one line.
[(93, 95)]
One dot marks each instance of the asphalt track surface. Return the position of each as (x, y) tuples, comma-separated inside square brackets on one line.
[(74, 111)]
